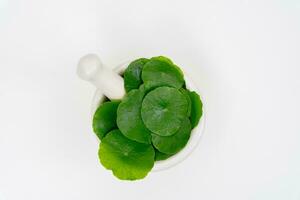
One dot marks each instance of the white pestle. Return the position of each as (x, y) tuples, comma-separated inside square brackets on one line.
[(111, 84)]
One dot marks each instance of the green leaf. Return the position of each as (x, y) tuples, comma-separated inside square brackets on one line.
[(161, 156), (186, 95), (163, 110), (196, 111), (161, 72), (168, 60), (164, 59), (129, 117), (104, 119), (174, 143), (132, 75), (129, 160)]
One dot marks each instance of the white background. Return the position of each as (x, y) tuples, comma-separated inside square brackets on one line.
[(243, 55)]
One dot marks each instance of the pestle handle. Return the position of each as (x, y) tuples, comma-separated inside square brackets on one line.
[(91, 69)]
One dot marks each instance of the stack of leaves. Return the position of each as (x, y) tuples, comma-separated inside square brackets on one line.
[(151, 123)]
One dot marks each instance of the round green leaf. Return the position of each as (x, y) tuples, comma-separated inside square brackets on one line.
[(168, 60), (132, 75), (196, 111), (129, 160), (161, 156), (186, 95), (174, 143), (163, 58), (129, 117), (163, 110), (104, 119), (158, 72)]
